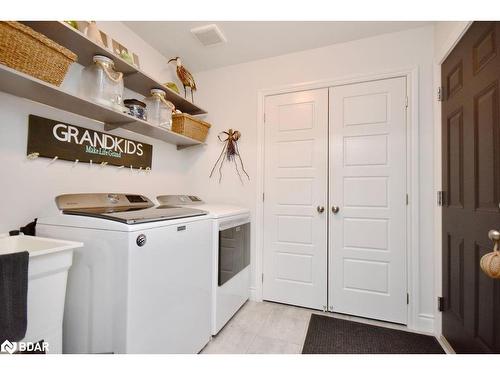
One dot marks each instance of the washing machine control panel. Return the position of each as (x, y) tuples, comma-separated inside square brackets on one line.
[(101, 200)]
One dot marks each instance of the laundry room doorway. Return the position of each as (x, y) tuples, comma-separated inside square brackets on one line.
[(335, 199)]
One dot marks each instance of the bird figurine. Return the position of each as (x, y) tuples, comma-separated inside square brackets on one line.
[(184, 76)]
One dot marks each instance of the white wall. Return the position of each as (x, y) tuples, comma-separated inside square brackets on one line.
[(28, 188), (446, 35), (230, 96)]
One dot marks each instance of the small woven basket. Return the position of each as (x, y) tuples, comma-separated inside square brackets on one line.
[(190, 126), (27, 51)]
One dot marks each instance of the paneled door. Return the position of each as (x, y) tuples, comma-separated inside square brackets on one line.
[(470, 78), (295, 185), (367, 273)]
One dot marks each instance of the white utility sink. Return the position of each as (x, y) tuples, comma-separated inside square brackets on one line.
[(48, 267), (36, 246)]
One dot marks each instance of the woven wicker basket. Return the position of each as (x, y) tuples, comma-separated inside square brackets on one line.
[(25, 50), (190, 126)]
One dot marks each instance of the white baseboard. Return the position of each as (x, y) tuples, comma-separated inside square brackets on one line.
[(425, 323), (253, 295)]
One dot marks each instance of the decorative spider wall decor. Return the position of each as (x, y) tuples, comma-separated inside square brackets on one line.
[(230, 152)]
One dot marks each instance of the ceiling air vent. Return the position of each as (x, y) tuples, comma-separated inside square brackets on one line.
[(209, 35)]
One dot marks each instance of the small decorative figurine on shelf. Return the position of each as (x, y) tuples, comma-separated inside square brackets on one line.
[(82, 26), (94, 34), (73, 24), (125, 55), (185, 77), (230, 152), (172, 86)]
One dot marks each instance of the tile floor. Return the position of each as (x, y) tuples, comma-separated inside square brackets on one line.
[(271, 328)]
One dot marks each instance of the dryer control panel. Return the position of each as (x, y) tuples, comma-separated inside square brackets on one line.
[(178, 200)]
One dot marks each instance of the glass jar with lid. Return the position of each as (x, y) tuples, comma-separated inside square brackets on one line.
[(136, 108), (159, 109), (102, 84)]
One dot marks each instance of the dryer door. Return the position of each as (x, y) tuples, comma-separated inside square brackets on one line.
[(234, 251)]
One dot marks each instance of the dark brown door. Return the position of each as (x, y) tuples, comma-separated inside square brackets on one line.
[(471, 184)]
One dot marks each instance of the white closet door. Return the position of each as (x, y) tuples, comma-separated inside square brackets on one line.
[(295, 231), (368, 184)]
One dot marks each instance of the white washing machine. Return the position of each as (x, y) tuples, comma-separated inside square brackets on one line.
[(141, 282), (230, 255)]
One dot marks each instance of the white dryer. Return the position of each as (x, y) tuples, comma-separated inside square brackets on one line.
[(141, 283), (230, 255)]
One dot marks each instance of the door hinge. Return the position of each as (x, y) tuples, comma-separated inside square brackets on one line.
[(262, 278), (263, 197), (407, 199), (264, 118), (440, 198), (407, 298), (406, 102), (440, 303), (440, 94)]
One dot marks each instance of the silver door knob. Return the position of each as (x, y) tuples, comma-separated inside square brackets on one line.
[(494, 235), (335, 209), (320, 209)]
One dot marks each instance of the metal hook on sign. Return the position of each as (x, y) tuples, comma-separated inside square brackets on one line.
[(140, 169), (131, 169), (103, 164), (76, 162), (90, 163), (148, 169), (121, 167), (33, 155), (54, 160)]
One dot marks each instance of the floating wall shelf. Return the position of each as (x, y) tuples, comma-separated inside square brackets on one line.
[(134, 78), (25, 86)]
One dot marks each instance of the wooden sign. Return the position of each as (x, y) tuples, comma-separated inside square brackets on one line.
[(51, 138)]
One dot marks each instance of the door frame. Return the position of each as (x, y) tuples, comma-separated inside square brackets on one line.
[(450, 43), (416, 321)]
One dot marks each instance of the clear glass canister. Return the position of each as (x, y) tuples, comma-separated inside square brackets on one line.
[(159, 109), (102, 84)]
